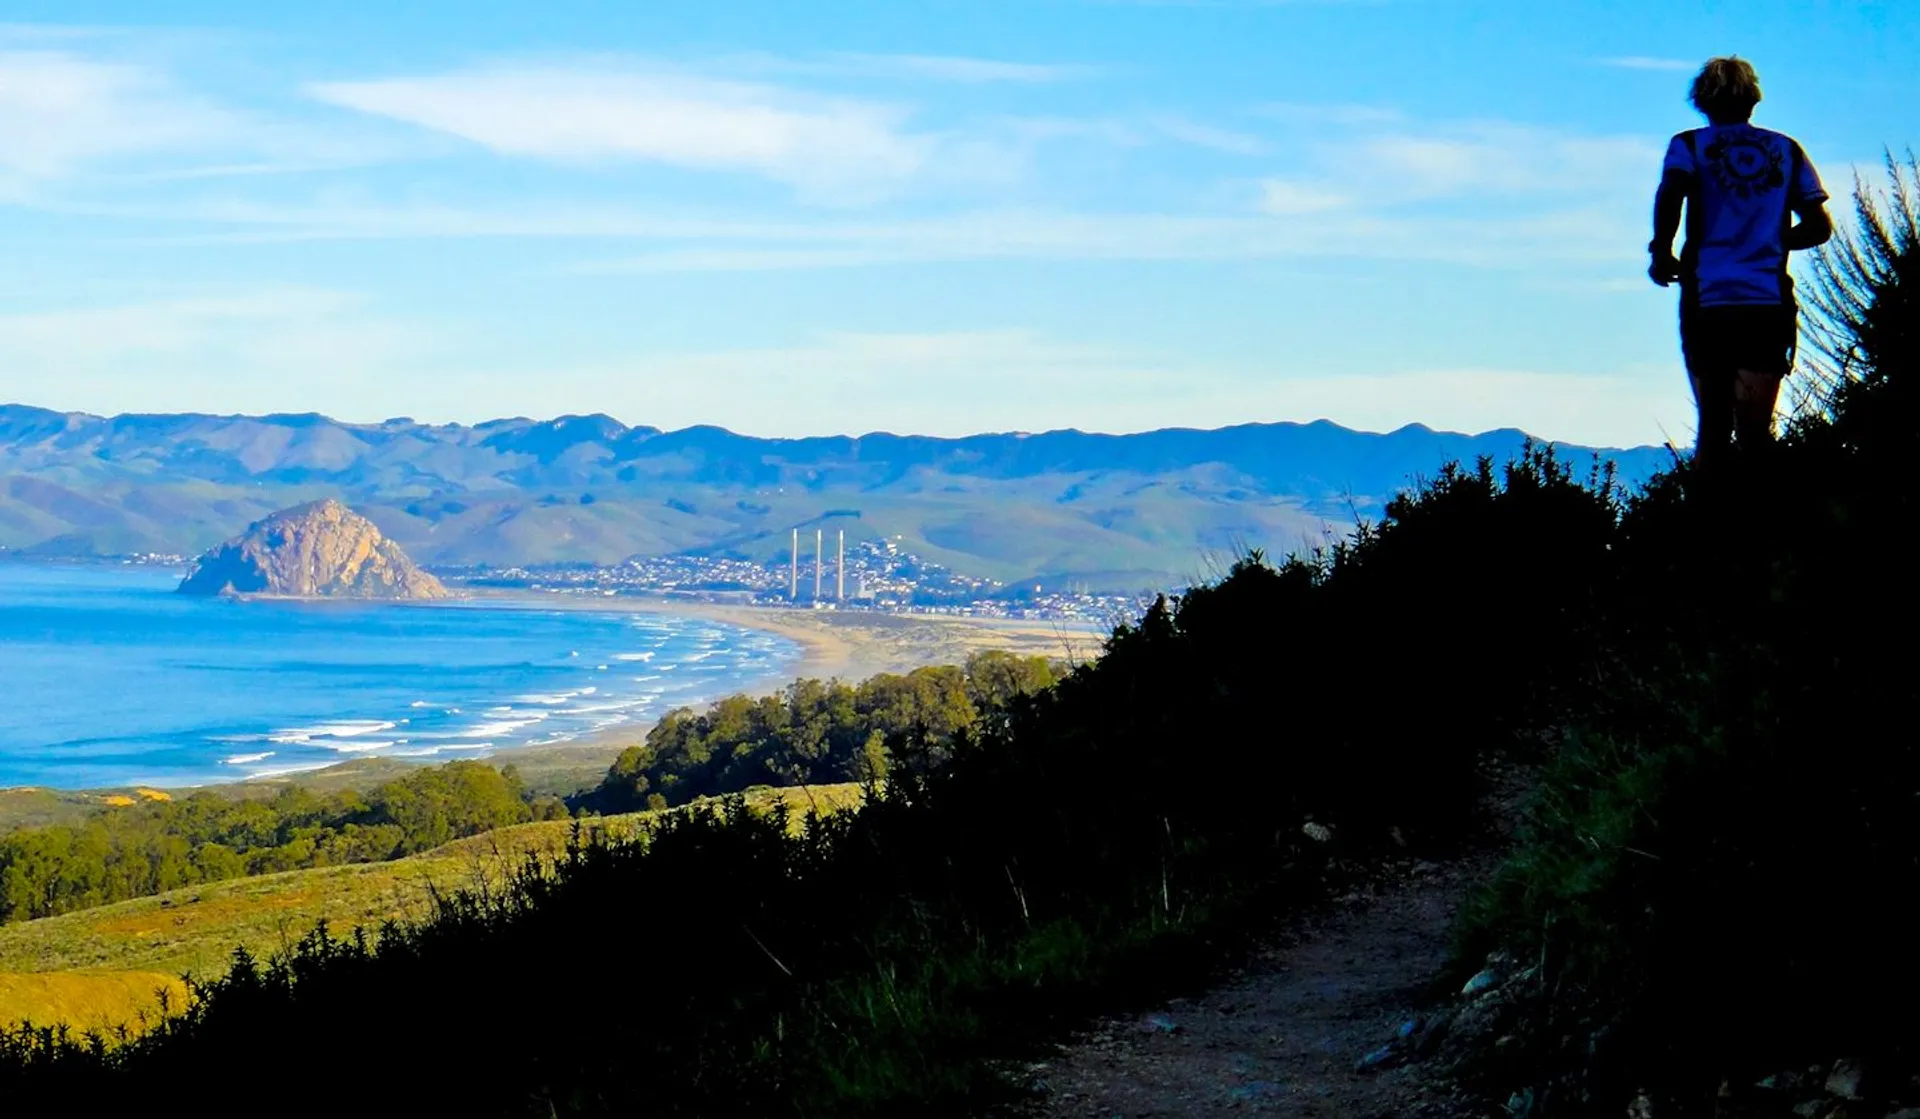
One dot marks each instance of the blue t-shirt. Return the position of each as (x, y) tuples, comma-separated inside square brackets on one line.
[(1743, 185)]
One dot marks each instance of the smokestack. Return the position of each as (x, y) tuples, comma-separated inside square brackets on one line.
[(840, 569), (819, 563), (793, 571)]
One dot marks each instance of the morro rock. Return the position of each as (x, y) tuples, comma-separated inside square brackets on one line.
[(319, 550)]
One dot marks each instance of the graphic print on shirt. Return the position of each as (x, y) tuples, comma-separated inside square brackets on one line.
[(1743, 185), (1744, 164)]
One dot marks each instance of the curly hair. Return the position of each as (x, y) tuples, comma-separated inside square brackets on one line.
[(1726, 87)]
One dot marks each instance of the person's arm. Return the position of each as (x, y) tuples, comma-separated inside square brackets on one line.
[(1667, 204), (1808, 200), (1815, 227)]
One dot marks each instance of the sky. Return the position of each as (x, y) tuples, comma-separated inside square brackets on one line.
[(796, 218)]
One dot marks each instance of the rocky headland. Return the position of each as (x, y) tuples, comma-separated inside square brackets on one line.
[(319, 550)]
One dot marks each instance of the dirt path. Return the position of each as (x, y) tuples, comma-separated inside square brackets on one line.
[(1283, 1037)]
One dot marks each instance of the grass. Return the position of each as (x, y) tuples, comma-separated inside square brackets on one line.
[(560, 770), (87, 1000), (102, 965), (30, 806), (33, 807)]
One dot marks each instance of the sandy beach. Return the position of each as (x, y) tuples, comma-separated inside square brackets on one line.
[(854, 645), (847, 645)]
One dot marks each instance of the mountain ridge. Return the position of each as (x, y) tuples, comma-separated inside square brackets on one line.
[(591, 488)]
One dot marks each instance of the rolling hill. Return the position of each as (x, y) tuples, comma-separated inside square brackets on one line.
[(100, 967), (1119, 510)]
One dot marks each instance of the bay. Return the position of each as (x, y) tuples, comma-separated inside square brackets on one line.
[(108, 678)]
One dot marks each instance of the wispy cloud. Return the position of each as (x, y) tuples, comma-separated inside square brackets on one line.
[(944, 68), (1226, 5), (1378, 184), (1200, 135), (825, 146), (897, 68), (1508, 171), (1282, 197), (60, 111), (1648, 62), (1339, 115), (42, 34), (108, 109), (996, 379), (1339, 230), (1500, 158), (257, 351), (832, 148)]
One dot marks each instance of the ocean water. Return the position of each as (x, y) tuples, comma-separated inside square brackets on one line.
[(109, 678)]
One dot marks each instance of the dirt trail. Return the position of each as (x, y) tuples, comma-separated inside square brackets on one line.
[(1283, 1037)]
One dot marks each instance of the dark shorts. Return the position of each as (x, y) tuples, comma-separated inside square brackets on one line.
[(1717, 341)]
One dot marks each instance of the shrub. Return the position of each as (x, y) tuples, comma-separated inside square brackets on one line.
[(1715, 872)]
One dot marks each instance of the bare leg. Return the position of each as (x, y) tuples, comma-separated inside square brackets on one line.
[(1714, 428), (1754, 398)]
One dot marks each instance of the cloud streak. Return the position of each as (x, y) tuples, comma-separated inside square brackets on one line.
[(60, 112), (261, 350), (966, 71), (823, 146), (1648, 62)]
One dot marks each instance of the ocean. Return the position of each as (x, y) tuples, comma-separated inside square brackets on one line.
[(109, 678)]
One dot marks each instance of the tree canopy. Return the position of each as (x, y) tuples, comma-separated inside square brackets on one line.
[(156, 846), (818, 732)]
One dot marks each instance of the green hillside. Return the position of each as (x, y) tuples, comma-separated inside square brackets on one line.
[(101, 959), (1126, 511)]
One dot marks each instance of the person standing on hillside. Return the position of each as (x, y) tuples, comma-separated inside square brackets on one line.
[(1741, 188)]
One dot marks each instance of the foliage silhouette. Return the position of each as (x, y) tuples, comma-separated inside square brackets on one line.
[(1719, 863), (1725, 834), (1062, 849)]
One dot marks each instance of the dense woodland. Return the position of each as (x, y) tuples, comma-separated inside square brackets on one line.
[(160, 845), (1703, 679), (817, 732)]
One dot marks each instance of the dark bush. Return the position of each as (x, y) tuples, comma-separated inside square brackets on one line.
[(1717, 870)]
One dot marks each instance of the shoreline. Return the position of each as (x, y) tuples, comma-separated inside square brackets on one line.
[(848, 646)]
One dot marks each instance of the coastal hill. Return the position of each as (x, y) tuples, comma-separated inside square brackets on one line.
[(1117, 511), (321, 549)]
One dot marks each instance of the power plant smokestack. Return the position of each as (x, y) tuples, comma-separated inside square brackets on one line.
[(819, 563), (793, 571), (840, 569)]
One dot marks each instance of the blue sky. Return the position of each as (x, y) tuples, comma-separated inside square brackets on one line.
[(799, 218)]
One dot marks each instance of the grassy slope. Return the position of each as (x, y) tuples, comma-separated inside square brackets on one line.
[(103, 965), (561, 770), (36, 807)]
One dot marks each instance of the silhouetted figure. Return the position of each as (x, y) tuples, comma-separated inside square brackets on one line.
[(1741, 187)]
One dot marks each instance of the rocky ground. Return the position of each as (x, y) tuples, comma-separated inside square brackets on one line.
[(1327, 1022), (1345, 1015)]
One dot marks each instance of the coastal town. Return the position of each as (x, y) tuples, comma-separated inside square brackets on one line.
[(875, 576), (867, 575)]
